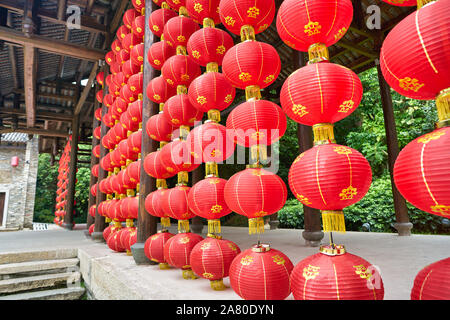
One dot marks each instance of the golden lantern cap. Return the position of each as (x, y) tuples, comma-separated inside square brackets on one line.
[(443, 108), (208, 23), (248, 33), (332, 250), (318, 52), (261, 247), (323, 133)]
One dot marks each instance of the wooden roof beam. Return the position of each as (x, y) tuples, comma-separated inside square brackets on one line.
[(41, 132), (86, 90), (42, 115)]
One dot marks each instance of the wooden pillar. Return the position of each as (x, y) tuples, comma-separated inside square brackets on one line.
[(312, 224), (198, 175), (68, 218), (94, 160), (402, 224), (146, 224), (100, 223)]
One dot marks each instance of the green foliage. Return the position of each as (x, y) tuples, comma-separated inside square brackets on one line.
[(291, 215)]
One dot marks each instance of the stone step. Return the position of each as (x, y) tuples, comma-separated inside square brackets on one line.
[(12, 269), (55, 294), (24, 256), (37, 282)]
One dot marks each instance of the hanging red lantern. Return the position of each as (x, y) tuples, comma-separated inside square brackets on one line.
[(138, 27), (266, 126), (177, 251), (158, 53), (176, 157), (128, 123), (134, 141), (303, 23), (402, 3), (180, 112), (127, 94), (107, 232), (118, 133), (154, 248), (207, 200), (211, 259), (110, 57), (268, 195), (133, 173), (129, 67), (159, 91), (418, 172), (154, 168), (96, 151), (116, 46), (180, 70), (419, 72), (139, 5), (210, 143), (97, 132), (330, 177), (113, 242), (108, 100), (121, 32), (261, 273), (178, 30), (158, 20), (123, 56), (135, 111), (153, 205), (251, 63), (209, 45), (321, 93), (136, 83), (94, 170), (93, 192), (211, 91), (128, 17), (100, 77), (130, 207), (158, 128), (108, 80), (137, 54), (258, 14), (175, 203), (105, 163), (200, 9), (432, 282), (334, 274), (108, 120), (98, 114), (115, 67), (130, 41), (107, 142), (176, 4)]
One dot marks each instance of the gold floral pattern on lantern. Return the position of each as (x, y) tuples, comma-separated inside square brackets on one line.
[(430, 136), (157, 97), (346, 106), (310, 272), (221, 49), (342, 150), (312, 28), (278, 260), (198, 7), (245, 76), (157, 62), (181, 38), (303, 199), (196, 54), (340, 33), (176, 1), (410, 84), (263, 27), (261, 213), (217, 208), (299, 110), (256, 173), (175, 121), (201, 100), (185, 240), (257, 135), (205, 246), (185, 77), (216, 153), (170, 81), (348, 193), (247, 260), (362, 271), (253, 12), (228, 98), (441, 209), (232, 246), (269, 78), (207, 275), (230, 21)]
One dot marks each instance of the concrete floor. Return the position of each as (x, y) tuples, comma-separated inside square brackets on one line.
[(398, 258)]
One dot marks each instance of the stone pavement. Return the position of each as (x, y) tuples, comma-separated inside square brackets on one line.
[(398, 258)]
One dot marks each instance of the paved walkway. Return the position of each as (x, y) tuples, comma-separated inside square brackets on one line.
[(398, 258)]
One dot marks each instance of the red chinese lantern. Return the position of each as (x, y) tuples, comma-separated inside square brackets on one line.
[(138, 27), (136, 83), (130, 41), (261, 273), (179, 111), (128, 123), (121, 32), (302, 23), (107, 142), (180, 70), (321, 93), (251, 63), (91, 229), (334, 274), (95, 169), (93, 192), (158, 53), (158, 128), (176, 157), (108, 100), (134, 141), (115, 67), (159, 91), (177, 251), (176, 4), (135, 111), (432, 282), (97, 132), (113, 242), (110, 57), (154, 248), (211, 259), (255, 13), (139, 5), (207, 200), (108, 120), (209, 45), (175, 203), (178, 30), (98, 114), (266, 125), (105, 163), (419, 70), (153, 205), (402, 3), (210, 143), (130, 207), (129, 67), (107, 232), (128, 17), (255, 193), (330, 177), (116, 46), (123, 56), (154, 167), (100, 77), (137, 54), (96, 151), (418, 172), (200, 9), (133, 173), (211, 91), (158, 19)]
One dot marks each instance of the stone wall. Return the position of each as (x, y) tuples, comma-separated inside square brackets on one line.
[(19, 183)]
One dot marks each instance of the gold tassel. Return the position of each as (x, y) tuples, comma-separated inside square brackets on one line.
[(129, 253), (212, 67), (181, 89), (421, 3), (208, 23), (165, 222), (255, 225), (164, 266), (183, 226), (183, 178), (323, 133), (184, 131), (188, 274), (443, 108), (137, 188), (214, 226), (333, 220), (211, 169), (130, 193), (107, 220), (217, 285), (258, 153), (214, 115), (247, 33), (161, 184), (318, 52)]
